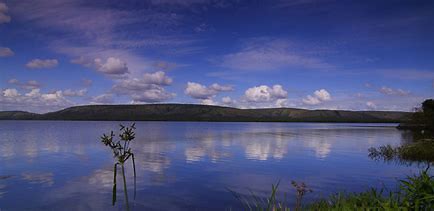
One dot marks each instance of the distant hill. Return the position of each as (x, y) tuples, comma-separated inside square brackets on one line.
[(191, 112)]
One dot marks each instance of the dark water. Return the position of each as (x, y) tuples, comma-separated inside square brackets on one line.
[(61, 165)]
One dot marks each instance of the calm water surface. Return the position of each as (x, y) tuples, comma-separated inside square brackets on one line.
[(62, 165)]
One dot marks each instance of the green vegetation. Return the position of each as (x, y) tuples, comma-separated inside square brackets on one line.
[(419, 151), (271, 203), (422, 147), (122, 152), (189, 112), (414, 193), (422, 119)]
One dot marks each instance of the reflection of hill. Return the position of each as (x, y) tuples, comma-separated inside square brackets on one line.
[(186, 112)]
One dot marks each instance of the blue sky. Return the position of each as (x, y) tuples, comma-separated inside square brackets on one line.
[(315, 54)]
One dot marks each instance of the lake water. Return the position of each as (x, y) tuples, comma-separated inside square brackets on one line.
[(62, 165)]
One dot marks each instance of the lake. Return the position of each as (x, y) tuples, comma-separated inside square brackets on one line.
[(62, 165)]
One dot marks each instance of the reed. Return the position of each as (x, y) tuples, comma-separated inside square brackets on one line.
[(413, 193), (122, 153)]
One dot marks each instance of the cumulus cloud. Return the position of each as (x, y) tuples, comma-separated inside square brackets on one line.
[(111, 66), (221, 88), (319, 96), (202, 92), (75, 93), (281, 103), (390, 91), (310, 100), (158, 78), (4, 18), (34, 93), (6, 52), (208, 102), (371, 105), (31, 84), (265, 93), (265, 54), (42, 63), (34, 100), (53, 97), (149, 88), (322, 95), (228, 101), (10, 93), (155, 94)]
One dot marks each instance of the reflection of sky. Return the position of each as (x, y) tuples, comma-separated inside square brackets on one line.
[(184, 165)]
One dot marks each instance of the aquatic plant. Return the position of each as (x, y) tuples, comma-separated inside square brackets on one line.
[(301, 189), (122, 152), (419, 151)]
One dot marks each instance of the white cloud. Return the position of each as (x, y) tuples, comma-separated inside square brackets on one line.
[(319, 96), (322, 95), (103, 99), (371, 105), (6, 52), (208, 102), (228, 101), (4, 18), (42, 63), (13, 81), (309, 100), (265, 93), (390, 91), (158, 78), (155, 94), (199, 91), (149, 88), (10, 93), (75, 93), (112, 65), (54, 96), (221, 88), (105, 36), (31, 84), (265, 54), (33, 100), (34, 93), (281, 103)]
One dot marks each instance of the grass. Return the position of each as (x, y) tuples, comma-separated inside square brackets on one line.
[(414, 193), (254, 202)]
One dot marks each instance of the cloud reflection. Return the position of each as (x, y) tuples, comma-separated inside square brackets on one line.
[(43, 178)]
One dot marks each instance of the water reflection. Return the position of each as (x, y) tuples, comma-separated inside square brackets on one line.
[(185, 166), (42, 178)]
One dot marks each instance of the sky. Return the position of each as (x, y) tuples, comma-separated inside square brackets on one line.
[(313, 54)]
